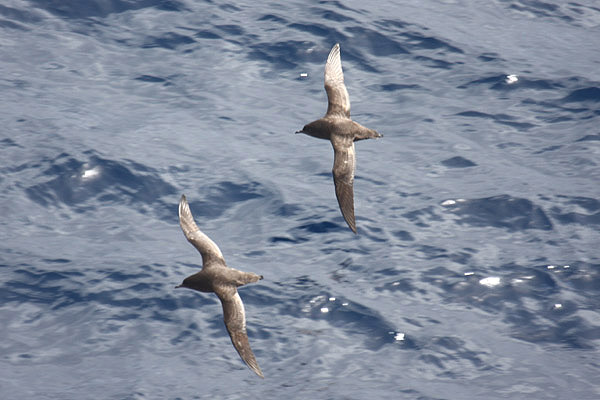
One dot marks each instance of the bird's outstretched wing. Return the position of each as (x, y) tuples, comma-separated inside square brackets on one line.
[(337, 94), (235, 321), (344, 161), (207, 248)]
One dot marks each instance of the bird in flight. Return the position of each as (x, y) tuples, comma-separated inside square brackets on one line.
[(215, 276), (337, 127)]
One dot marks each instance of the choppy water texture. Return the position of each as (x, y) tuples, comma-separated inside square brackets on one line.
[(476, 271)]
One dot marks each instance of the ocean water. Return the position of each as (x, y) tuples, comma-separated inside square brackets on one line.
[(475, 273)]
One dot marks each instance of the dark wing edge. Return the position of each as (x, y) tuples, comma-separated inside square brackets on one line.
[(343, 177), (338, 100), (235, 322)]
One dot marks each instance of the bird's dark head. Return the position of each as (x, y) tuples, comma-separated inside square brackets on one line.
[(184, 284), (319, 129), (306, 129), (311, 129), (198, 281)]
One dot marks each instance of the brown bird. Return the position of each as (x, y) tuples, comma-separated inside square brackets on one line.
[(217, 277), (337, 127)]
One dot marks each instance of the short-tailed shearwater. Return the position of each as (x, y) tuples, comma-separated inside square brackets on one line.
[(337, 127), (217, 277)]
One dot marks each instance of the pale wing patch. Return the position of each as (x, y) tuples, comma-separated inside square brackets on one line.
[(207, 248), (337, 94)]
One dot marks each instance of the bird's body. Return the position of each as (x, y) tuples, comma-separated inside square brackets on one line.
[(337, 127), (217, 277)]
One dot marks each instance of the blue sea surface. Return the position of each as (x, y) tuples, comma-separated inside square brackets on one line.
[(475, 273)]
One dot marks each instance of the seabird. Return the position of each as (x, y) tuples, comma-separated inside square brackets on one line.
[(337, 127), (215, 276)]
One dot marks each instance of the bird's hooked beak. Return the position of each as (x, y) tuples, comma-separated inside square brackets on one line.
[(178, 286), (299, 131)]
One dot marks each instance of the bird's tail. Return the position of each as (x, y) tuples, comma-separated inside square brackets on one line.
[(366, 133)]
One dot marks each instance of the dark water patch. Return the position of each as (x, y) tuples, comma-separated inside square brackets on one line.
[(282, 239), (75, 9), (231, 30), (539, 9), (588, 203), (376, 43), (374, 233), (217, 199), (228, 7), (414, 41), (282, 55), (348, 268), (84, 185), (331, 15), (589, 94), (14, 14), (404, 285), (191, 333), (12, 25), (392, 87), (432, 252), (435, 63), (458, 162), (443, 352), (47, 287), (313, 29), (288, 210), (57, 260), (341, 247), (503, 211), (118, 276), (207, 34), (548, 149), (527, 298), (589, 216), (337, 5), (393, 25), (461, 257), (490, 57), (418, 41), (321, 227), (589, 138), (562, 329), (273, 18), (584, 279), (150, 78), (552, 111), (503, 119), (353, 318), (403, 235), (423, 216), (144, 297), (169, 41), (356, 319)]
